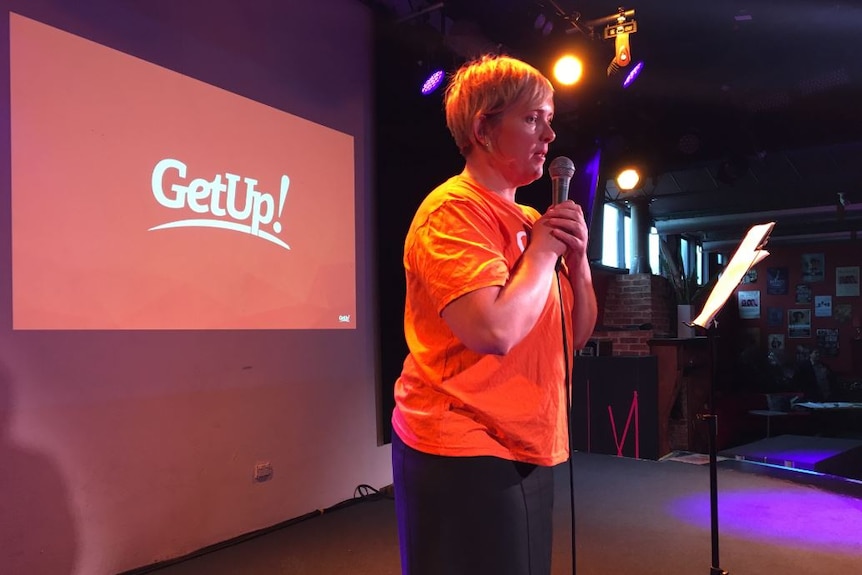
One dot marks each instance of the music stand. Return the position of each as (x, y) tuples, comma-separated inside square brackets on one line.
[(749, 253)]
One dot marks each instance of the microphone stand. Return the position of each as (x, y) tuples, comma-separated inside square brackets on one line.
[(561, 171), (569, 406)]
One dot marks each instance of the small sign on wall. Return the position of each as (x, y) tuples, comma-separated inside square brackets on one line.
[(749, 304), (847, 281), (823, 306)]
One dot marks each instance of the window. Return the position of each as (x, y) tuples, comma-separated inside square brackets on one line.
[(616, 231), (654, 256), (616, 245)]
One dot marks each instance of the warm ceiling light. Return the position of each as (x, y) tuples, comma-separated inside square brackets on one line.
[(628, 179), (568, 70)]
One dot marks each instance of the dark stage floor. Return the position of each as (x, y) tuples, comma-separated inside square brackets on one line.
[(632, 517)]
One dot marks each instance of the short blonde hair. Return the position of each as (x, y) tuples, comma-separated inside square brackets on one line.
[(487, 87)]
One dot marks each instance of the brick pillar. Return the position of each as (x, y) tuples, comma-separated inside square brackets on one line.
[(633, 300)]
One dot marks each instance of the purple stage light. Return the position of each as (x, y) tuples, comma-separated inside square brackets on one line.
[(784, 516), (633, 74), (432, 82)]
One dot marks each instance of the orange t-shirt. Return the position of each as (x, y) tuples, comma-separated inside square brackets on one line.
[(450, 400)]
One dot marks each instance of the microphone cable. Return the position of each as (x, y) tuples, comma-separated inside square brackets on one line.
[(567, 373)]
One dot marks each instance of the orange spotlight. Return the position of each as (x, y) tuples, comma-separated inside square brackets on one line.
[(568, 70), (628, 179)]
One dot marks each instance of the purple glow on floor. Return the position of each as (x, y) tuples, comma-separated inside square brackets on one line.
[(785, 516)]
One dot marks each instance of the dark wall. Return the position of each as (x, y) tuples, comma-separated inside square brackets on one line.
[(414, 153)]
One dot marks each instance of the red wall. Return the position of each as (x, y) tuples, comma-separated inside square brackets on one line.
[(745, 332)]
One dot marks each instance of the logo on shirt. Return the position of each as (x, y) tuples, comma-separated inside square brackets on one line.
[(521, 238)]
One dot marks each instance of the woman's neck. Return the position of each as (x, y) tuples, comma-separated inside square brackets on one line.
[(490, 179)]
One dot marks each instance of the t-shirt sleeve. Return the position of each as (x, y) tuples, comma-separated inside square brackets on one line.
[(457, 250)]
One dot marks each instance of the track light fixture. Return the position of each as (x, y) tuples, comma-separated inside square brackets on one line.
[(618, 27), (620, 30)]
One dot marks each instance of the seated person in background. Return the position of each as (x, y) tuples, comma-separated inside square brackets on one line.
[(815, 378), (781, 371)]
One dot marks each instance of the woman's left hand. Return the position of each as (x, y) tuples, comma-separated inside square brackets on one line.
[(570, 227)]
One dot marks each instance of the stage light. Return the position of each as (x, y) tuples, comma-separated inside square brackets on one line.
[(633, 74), (620, 32), (622, 54), (628, 179), (432, 82), (568, 70), (543, 24), (540, 21)]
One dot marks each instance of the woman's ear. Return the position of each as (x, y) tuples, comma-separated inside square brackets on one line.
[(480, 132)]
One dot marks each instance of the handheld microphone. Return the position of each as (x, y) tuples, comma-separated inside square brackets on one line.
[(561, 170)]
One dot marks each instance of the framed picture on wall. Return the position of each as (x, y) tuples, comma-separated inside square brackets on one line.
[(774, 316), (812, 267), (842, 312), (803, 293), (749, 304), (798, 323), (776, 281), (847, 281)]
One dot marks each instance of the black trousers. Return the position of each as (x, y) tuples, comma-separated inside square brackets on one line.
[(471, 515)]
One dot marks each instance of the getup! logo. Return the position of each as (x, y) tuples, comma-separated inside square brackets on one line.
[(218, 198)]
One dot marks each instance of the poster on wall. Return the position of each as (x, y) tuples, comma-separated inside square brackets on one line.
[(823, 306), (827, 342), (750, 277), (803, 293), (776, 342), (812, 267), (749, 304), (774, 316), (799, 323), (751, 338), (847, 281), (842, 312), (776, 281)]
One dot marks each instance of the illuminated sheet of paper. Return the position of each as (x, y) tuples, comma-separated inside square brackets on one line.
[(748, 254)]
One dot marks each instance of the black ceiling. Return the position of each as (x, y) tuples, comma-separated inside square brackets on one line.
[(746, 110)]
